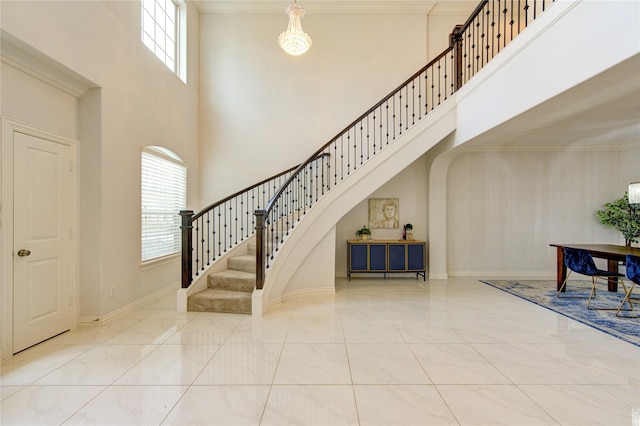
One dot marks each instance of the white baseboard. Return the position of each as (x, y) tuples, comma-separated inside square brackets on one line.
[(321, 291), (540, 275), (126, 308)]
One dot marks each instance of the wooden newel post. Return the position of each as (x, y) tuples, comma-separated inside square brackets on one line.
[(455, 40), (187, 247), (260, 219)]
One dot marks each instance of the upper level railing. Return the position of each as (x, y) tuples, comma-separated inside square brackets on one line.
[(281, 201)]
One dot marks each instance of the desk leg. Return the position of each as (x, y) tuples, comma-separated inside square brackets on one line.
[(613, 281), (561, 269)]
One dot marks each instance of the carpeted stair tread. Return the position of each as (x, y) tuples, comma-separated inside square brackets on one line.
[(218, 300), (232, 280), (245, 263), (251, 248)]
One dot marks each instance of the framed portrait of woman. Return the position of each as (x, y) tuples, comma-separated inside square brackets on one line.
[(384, 213)]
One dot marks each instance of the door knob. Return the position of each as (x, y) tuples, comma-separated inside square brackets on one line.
[(24, 252)]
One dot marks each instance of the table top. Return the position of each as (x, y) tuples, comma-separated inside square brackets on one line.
[(603, 248)]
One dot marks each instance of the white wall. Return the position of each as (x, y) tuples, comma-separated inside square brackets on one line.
[(263, 111), (579, 82), (629, 160), (136, 102), (46, 106), (495, 213), (505, 208), (410, 187)]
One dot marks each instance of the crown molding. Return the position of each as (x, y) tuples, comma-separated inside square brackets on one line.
[(453, 8), (22, 57), (323, 6)]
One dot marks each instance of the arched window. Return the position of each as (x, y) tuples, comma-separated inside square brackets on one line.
[(163, 195)]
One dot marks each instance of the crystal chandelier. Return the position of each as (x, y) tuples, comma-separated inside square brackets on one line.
[(294, 41)]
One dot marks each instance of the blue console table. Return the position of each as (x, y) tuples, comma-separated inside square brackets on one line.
[(386, 256)]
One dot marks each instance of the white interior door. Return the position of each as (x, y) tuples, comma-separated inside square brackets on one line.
[(42, 263)]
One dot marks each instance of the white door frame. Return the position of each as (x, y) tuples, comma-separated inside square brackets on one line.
[(10, 126)]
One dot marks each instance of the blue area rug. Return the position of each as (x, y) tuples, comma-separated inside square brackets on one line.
[(543, 293)]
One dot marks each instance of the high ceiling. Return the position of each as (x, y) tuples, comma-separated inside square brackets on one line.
[(334, 6), (602, 113)]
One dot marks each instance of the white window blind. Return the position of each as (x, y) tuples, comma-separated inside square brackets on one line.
[(164, 194), (160, 30)]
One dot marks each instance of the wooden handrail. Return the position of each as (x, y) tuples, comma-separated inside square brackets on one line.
[(464, 67), (281, 200), (188, 218)]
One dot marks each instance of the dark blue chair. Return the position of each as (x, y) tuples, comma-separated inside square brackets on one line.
[(633, 273), (581, 262)]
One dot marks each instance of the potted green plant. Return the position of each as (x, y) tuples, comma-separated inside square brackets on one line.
[(623, 216), (363, 233)]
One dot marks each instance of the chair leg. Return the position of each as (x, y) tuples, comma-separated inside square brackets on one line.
[(627, 298), (593, 294), (562, 287)]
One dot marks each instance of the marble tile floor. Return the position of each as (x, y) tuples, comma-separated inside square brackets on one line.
[(379, 352)]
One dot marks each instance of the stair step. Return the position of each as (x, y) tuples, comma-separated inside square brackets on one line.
[(251, 247), (232, 280), (246, 263), (218, 300)]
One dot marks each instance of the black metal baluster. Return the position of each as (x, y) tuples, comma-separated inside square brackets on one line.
[(439, 83), (208, 230), (361, 147), (368, 140), (387, 109), (446, 77), (197, 246), (348, 153), (492, 25), (355, 149), (406, 107), (381, 129), (393, 107), (374, 131), (419, 97), (304, 191), (399, 111), (469, 58), (478, 45), (426, 91), (413, 100)]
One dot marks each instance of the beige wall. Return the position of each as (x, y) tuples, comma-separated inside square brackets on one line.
[(505, 208), (264, 111), (135, 101), (409, 187), (248, 107)]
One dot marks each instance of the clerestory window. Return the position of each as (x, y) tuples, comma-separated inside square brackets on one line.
[(163, 25)]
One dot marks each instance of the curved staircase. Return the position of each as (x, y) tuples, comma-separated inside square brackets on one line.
[(229, 290)]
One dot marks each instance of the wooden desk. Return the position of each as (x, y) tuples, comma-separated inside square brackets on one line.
[(612, 253)]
